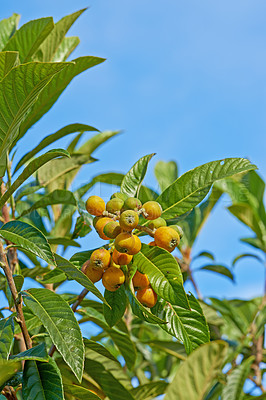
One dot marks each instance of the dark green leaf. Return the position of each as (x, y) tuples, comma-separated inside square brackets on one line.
[(220, 269), (38, 353), (54, 276), (6, 337), (166, 173), (118, 302), (63, 241), (244, 256), (19, 280)]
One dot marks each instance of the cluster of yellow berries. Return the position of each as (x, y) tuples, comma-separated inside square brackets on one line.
[(116, 220)]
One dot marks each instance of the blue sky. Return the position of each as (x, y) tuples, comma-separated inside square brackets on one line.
[(183, 79)]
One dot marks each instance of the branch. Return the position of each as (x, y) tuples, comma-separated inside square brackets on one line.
[(187, 260)]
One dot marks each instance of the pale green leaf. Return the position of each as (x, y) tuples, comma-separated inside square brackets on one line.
[(66, 47), (195, 375), (8, 27), (63, 241), (132, 180), (80, 393), (8, 60), (93, 143), (59, 320), (191, 188), (7, 370), (6, 337), (233, 390), (29, 238), (149, 391), (166, 173)]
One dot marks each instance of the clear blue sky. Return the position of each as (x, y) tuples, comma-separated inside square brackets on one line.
[(184, 79)]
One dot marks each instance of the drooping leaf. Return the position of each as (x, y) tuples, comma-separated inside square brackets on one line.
[(42, 381), (74, 273), (50, 139), (66, 47), (29, 238), (191, 188), (6, 337), (233, 390), (195, 375), (37, 353), (166, 173), (32, 167), (236, 259), (149, 391), (111, 178), (8, 369), (205, 254), (164, 274), (63, 241), (8, 60), (254, 242), (118, 302), (188, 326), (80, 393), (219, 269), (19, 90), (28, 38), (58, 196), (8, 27), (132, 180), (61, 324)]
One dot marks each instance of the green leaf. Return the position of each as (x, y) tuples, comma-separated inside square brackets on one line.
[(220, 269), (254, 242), (6, 337), (233, 390), (29, 238), (59, 320), (32, 167), (191, 188), (80, 393), (111, 178), (93, 143), (82, 226), (19, 280), (42, 381), (205, 254), (8, 60), (188, 326), (38, 353), (149, 391), (132, 180), (166, 173), (8, 369), (73, 272), (236, 259), (169, 347), (54, 276), (163, 272), (63, 241), (66, 47), (19, 90), (195, 375), (50, 139), (28, 38), (57, 85), (50, 46), (118, 302), (8, 27), (56, 197)]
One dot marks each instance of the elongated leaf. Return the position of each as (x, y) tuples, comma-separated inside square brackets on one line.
[(42, 381), (29, 238), (50, 139), (205, 254), (66, 47), (255, 242), (118, 302), (8, 27), (53, 41), (80, 393), (57, 85), (82, 226), (149, 391), (191, 188), (19, 280), (188, 326), (220, 269), (233, 390), (73, 272), (166, 173), (111, 178), (28, 38), (7, 370), (61, 324), (164, 274), (19, 90), (38, 353), (6, 337), (93, 143), (56, 197), (63, 241), (173, 348), (8, 60), (249, 217), (132, 180), (195, 375), (54, 276), (32, 167), (236, 259)]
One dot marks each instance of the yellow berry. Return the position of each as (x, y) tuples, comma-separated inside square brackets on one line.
[(121, 258), (100, 258), (129, 219), (152, 210), (94, 274), (99, 226), (147, 297), (95, 205), (140, 281), (112, 229), (167, 238), (113, 278)]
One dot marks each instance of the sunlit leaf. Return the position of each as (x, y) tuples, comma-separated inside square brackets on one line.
[(166, 173)]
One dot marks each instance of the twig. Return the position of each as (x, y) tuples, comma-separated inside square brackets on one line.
[(186, 253)]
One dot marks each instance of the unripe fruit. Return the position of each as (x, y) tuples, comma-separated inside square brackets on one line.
[(152, 243), (100, 224), (113, 278), (140, 281), (94, 274), (95, 220), (114, 205), (121, 258), (152, 210), (132, 203), (178, 229), (100, 258), (167, 238), (147, 297), (157, 223), (95, 205), (127, 243), (112, 229), (129, 219), (119, 195)]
